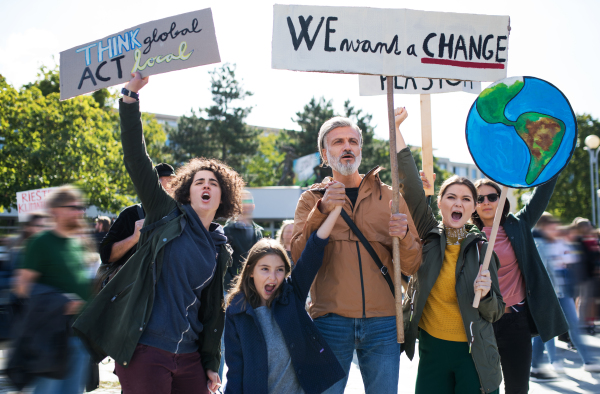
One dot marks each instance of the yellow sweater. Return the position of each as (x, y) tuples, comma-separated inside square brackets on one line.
[(441, 316)]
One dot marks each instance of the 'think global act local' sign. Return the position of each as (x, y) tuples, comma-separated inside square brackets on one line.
[(169, 44)]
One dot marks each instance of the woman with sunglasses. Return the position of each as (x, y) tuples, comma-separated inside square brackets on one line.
[(531, 305)]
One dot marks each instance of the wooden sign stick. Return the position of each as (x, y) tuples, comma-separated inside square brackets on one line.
[(426, 144), (395, 209), (492, 240)]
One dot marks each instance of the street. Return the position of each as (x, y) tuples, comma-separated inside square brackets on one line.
[(574, 381)]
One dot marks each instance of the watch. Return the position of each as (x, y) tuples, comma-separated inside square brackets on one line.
[(129, 93)]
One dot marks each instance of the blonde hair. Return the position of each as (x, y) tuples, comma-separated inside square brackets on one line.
[(284, 224)]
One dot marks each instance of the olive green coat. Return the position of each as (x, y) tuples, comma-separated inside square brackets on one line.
[(477, 322), (114, 321)]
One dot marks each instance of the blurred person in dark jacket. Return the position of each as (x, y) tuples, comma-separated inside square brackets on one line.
[(586, 239), (55, 259), (558, 255), (101, 227), (9, 302)]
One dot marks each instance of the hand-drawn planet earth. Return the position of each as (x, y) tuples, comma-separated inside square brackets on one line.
[(521, 131)]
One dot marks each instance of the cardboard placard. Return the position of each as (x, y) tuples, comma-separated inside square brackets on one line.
[(372, 85), (169, 44), (32, 201), (521, 132), (359, 40)]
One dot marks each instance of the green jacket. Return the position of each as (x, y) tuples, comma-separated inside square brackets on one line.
[(477, 322), (114, 321), (546, 314)]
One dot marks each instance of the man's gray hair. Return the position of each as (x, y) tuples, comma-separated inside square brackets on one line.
[(331, 124)]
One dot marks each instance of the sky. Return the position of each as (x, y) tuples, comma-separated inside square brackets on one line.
[(553, 40)]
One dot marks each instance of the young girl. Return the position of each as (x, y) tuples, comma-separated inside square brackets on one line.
[(524, 282), (457, 348), (271, 344)]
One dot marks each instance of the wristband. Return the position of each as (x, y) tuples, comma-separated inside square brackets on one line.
[(129, 93)]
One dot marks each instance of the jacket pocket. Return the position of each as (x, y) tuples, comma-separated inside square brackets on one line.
[(122, 293), (490, 348)]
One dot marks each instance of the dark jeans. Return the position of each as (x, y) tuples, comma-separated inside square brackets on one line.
[(513, 337), (157, 371)]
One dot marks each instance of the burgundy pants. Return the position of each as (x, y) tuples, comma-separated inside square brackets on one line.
[(157, 371)]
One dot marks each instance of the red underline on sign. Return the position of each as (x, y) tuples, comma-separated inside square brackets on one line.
[(456, 63)]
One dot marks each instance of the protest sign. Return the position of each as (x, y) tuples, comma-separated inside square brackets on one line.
[(169, 44), (304, 169), (376, 41), (31, 201), (373, 85), (521, 132)]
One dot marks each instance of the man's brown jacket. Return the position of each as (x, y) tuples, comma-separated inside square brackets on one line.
[(349, 283)]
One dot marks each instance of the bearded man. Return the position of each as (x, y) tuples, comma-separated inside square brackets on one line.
[(353, 305)]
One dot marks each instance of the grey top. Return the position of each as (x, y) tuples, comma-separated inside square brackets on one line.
[(282, 377)]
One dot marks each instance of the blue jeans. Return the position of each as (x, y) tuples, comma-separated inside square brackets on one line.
[(376, 346), (568, 307), (74, 382)]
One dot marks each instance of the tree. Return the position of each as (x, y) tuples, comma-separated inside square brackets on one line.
[(572, 194), (262, 168), (47, 142), (223, 134), (310, 120)]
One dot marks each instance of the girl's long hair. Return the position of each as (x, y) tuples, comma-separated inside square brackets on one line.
[(244, 283)]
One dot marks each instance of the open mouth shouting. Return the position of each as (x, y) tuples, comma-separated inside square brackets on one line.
[(270, 289), (456, 216), (348, 155), (205, 196)]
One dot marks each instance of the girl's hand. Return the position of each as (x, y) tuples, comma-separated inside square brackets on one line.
[(426, 184), (134, 85), (483, 282), (214, 381), (325, 229)]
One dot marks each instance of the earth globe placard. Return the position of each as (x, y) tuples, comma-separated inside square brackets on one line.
[(521, 131)]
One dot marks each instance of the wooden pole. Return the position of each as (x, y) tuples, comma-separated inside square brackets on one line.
[(426, 144), (492, 240), (395, 209)]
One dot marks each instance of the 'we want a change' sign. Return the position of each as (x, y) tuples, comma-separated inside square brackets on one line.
[(357, 40), (169, 44)]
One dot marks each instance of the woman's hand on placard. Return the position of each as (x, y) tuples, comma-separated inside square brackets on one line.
[(483, 282), (426, 184), (135, 84)]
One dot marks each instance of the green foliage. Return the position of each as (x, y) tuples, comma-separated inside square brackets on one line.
[(310, 120), (223, 134), (263, 168), (47, 142), (572, 195)]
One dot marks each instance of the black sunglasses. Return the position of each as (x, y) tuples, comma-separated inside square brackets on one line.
[(77, 207), (491, 198)]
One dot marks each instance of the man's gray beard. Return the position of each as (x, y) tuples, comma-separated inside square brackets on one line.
[(344, 169)]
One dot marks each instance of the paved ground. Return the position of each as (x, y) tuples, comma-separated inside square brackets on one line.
[(574, 381)]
